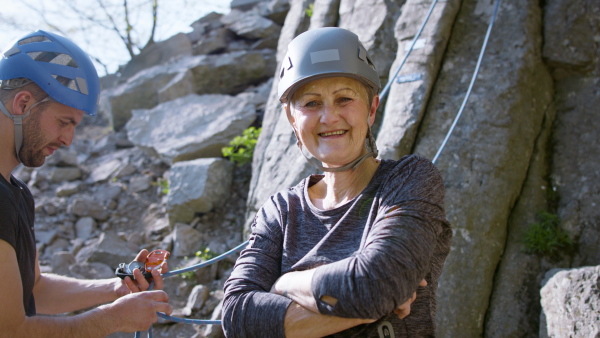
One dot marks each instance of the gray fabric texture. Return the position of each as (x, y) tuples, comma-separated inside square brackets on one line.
[(370, 254)]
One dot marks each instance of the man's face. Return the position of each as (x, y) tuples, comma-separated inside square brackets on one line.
[(49, 127)]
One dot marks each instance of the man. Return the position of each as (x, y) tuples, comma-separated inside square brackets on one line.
[(47, 83)]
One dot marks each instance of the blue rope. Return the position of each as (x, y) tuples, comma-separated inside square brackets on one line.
[(189, 321), (208, 262), (464, 103)]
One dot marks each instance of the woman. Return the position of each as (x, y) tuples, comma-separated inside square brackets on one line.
[(342, 253)]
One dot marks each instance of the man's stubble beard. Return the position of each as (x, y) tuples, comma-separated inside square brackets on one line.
[(34, 143)]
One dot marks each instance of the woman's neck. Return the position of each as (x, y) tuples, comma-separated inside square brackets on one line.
[(337, 188)]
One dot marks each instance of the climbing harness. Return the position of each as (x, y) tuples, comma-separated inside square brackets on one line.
[(383, 93)]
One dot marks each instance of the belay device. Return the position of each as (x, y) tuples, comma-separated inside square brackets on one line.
[(154, 260)]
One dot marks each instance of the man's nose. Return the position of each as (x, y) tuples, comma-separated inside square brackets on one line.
[(66, 138)]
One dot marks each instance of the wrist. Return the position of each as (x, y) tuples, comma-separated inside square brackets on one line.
[(104, 320), (117, 287)]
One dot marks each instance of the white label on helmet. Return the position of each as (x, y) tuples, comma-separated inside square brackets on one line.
[(325, 55)]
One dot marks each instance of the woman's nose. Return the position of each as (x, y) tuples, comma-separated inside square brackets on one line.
[(329, 114)]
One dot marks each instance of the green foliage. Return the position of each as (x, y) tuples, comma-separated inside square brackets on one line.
[(205, 254), (309, 10), (188, 275), (546, 237), (163, 183), (241, 148)]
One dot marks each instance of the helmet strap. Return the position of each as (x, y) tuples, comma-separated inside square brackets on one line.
[(18, 122)]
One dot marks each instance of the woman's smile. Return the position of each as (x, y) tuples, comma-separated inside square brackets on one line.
[(330, 134)]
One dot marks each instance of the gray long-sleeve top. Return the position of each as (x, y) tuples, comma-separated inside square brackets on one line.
[(370, 254)]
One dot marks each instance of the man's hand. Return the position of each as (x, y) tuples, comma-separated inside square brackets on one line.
[(404, 310), (137, 311), (127, 285)]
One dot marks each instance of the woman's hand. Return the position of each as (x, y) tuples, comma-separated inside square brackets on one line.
[(404, 310), (127, 285)]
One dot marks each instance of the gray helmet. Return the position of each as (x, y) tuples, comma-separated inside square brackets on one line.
[(325, 52)]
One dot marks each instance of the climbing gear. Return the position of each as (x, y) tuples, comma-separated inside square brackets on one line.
[(154, 260), (57, 66), (328, 52), (209, 262), (325, 52)]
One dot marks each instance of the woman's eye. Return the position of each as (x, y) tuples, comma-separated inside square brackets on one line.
[(311, 104), (344, 99)]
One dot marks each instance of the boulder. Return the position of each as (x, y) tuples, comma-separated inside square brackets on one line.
[(64, 174), (158, 53), (197, 186), (186, 240), (571, 303), (251, 25), (191, 127), (108, 249)]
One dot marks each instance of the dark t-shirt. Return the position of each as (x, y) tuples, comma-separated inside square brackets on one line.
[(16, 228), (369, 254)]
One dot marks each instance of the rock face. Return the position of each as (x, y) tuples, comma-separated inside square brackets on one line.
[(525, 143)]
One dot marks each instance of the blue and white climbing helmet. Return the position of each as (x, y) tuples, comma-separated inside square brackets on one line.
[(62, 69)]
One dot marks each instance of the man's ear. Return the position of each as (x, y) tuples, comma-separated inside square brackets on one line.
[(22, 101)]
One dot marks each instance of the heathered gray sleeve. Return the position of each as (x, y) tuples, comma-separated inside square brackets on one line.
[(409, 216), (249, 310)]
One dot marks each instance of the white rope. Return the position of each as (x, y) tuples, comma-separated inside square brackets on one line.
[(464, 103)]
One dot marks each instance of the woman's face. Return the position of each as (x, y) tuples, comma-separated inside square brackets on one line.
[(331, 117)]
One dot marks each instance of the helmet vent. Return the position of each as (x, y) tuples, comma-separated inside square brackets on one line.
[(362, 54), (65, 81), (51, 57), (33, 39)]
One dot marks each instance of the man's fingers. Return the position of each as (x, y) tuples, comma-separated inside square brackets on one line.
[(164, 307), (158, 281), (131, 285), (141, 256), (158, 295), (164, 267), (141, 281)]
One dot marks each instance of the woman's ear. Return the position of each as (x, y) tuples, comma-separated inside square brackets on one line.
[(373, 110), (288, 113)]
